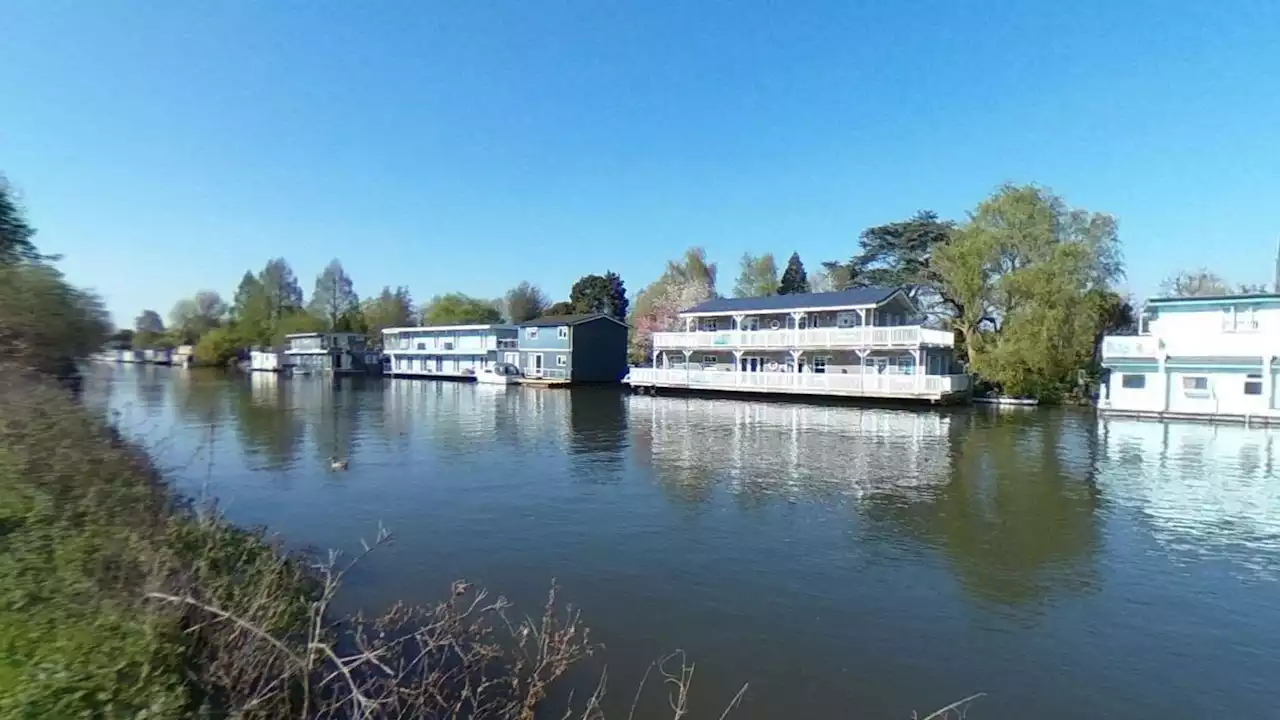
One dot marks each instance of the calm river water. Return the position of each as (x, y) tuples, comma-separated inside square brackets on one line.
[(844, 562)]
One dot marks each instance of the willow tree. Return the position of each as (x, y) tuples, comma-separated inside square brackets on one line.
[(1020, 273)]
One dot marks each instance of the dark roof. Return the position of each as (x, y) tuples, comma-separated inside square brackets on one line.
[(841, 298), (1216, 298), (550, 320)]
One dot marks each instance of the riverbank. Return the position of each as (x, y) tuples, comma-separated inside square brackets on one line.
[(118, 599)]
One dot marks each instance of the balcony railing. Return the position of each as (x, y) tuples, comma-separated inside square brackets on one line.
[(910, 336), (852, 383), (1232, 344), (547, 373)]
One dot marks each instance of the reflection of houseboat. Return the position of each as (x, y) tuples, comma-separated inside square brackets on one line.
[(1197, 358), (866, 342), (452, 351)]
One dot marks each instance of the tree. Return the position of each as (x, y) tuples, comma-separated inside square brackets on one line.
[(15, 233), (192, 317), (560, 307), (46, 323), (334, 299), (220, 345), (685, 283), (758, 276), (147, 327), (1195, 283), (296, 321), (392, 308), (899, 254), (600, 294), (524, 302), (794, 279), (281, 292), (1019, 272), (459, 309)]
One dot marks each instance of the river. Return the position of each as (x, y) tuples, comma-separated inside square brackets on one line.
[(842, 561)]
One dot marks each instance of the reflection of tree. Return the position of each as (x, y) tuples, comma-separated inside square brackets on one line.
[(153, 385), (1014, 522), (333, 408), (265, 421), (200, 397)]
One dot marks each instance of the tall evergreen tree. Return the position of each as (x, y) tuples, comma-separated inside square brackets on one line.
[(391, 308), (15, 233), (334, 299), (794, 279), (280, 289)]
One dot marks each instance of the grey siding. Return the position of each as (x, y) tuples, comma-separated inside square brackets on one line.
[(599, 351)]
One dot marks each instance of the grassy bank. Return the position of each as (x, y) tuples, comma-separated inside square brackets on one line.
[(119, 600)]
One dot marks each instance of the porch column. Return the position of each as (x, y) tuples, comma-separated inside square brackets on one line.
[(737, 367), (656, 353), (1267, 379), (795, 363), (915, 368), (687, 353), (1162, 364)]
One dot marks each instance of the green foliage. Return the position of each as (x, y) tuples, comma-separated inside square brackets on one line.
[(87, 529), (192, 317), (15, 234), (391, 308), (44, 321), (297, 321), (794, 279), (459, 309), (600, 294), (1025, 276), (524, 302), (218, 346), (560, 307), (758, 276), (335, 299)]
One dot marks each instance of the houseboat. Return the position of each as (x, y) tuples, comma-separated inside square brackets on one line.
[(1208, 358), (865, 342), (563, 349), (448, 351), (268, 360), (326, 353)]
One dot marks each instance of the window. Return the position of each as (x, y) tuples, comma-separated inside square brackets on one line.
[(562, 332), (1133, 382), (1253, 385), (562, 360), (820, 363), (710, 360), (906, 365), (1195, 386), (448, 345), (531, 333), (710, 325)]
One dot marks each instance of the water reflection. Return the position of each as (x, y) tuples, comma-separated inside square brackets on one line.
[(1017, 517), (789, 451), (1206, 491)]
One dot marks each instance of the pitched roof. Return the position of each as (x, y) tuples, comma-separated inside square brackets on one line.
[(550, 320), (843, 298)]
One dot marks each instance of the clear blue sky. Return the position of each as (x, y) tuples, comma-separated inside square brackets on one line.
[(165, 147)]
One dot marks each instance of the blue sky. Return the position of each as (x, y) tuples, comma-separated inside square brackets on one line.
[(168, 147)]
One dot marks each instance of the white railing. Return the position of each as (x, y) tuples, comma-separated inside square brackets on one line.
[(1139, 346), (909, 336), (869, 383), (548, 373)]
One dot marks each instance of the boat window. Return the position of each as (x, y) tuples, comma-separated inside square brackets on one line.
[(561, 361), (1253, 385), (531, 333), (1133, 382), (710, 325), (710, 360), (562, 333), (820, 363)]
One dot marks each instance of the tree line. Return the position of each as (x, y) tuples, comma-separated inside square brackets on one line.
[(270, 304)]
